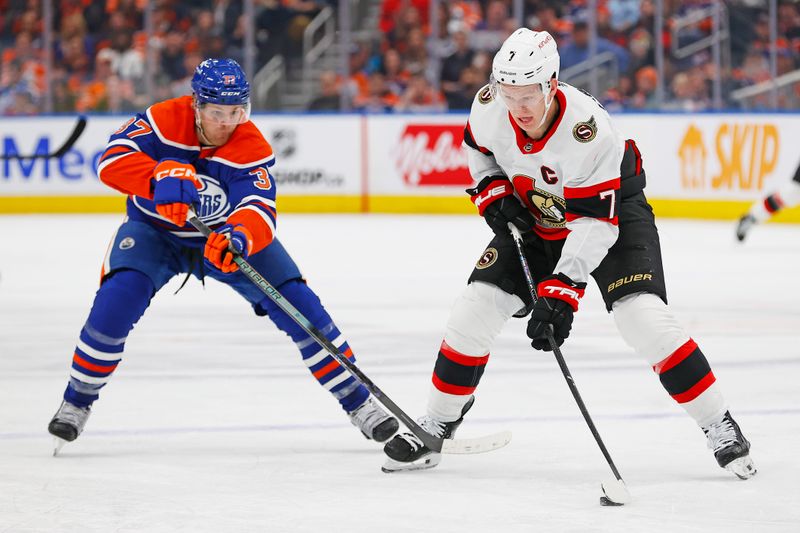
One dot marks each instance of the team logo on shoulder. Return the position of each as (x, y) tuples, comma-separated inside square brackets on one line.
[(127, 243), (487, 259), (485, 96), (585, 131)]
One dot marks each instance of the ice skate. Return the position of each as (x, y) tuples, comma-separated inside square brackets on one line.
[(373, 421), (744, 225), (731, 449), (406, 452), (67, 424)]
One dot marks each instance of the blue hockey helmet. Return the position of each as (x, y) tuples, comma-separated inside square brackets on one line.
[(220, 81)]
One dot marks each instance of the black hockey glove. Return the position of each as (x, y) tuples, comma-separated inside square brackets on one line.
[(556, 306), (496, 203)]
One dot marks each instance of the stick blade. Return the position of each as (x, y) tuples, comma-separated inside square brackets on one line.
[(615, 492), (483, 444)]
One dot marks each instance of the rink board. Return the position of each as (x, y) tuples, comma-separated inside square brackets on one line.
[(708, 166)]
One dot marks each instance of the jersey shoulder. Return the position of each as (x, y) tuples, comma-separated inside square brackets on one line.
[(486, 115), (246, 148), (585, 121), (173, 122)]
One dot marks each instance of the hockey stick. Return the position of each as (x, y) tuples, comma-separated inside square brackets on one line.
[(63, 149), (614, 491), (453, 446)]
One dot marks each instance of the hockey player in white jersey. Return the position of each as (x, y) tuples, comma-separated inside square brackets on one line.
[(545, 157), (788, 195)]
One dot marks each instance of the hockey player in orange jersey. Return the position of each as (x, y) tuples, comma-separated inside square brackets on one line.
[(199, 152)]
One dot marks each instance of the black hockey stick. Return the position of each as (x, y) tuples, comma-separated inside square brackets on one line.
[(614, 492), (476, 445), (80, 125)]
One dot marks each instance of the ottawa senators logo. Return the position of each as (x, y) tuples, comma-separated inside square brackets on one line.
[(585, 131), (487, 259), (485, 96), (551, 207)]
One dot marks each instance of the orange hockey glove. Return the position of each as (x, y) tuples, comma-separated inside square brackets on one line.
[(175, 190)]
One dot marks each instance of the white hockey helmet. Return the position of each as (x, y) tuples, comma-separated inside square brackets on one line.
[(527, 57)]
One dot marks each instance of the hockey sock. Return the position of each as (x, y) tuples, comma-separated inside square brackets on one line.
[(478, 316), (787, 196), (119, 303), (328, 372), (650, 328)]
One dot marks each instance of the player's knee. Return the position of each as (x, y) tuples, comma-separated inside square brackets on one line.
[(120, 302), (648, 326), (478, 315)]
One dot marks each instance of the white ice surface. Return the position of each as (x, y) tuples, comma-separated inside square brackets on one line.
[(212, 423)]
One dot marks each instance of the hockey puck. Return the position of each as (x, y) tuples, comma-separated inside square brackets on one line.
[(608, 503)]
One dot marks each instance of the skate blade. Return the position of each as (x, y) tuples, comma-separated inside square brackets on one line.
[(742, 467), (429, 461), (58, 443)]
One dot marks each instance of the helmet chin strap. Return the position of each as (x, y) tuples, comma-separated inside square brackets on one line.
[(199, 125), (547, 104)]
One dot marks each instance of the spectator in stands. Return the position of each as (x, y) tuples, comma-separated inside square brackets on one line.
[(416, 52), (490, 33), (577, 50), (646, 81), (17, 94), (378, 97), (394, 70), (329, 98), (420, 96), (470, 83), (453, 66)]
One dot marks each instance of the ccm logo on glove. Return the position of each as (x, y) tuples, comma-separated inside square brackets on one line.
[(175, 190)]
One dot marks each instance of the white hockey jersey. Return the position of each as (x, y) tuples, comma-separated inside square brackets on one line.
[(569, 179)]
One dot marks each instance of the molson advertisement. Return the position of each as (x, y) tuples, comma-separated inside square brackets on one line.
[(697, 165)]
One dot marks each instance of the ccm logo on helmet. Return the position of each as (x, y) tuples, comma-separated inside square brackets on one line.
[(545, 41), (229, 93), (175, 172)]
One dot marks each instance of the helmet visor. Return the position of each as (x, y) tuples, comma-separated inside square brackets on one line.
[(522, 97), (224, 114)]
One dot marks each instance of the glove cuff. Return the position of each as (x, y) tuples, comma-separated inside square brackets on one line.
[(561, 287), (489, 190)]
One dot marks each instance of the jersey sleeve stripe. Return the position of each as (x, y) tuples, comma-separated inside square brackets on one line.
[(592, 190), (260, 224), (256, 198), (114, 152), (269, 161), (469, 140), (129, 173)]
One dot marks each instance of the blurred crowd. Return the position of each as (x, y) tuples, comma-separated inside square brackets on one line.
[(99, 48), (99, 51)]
